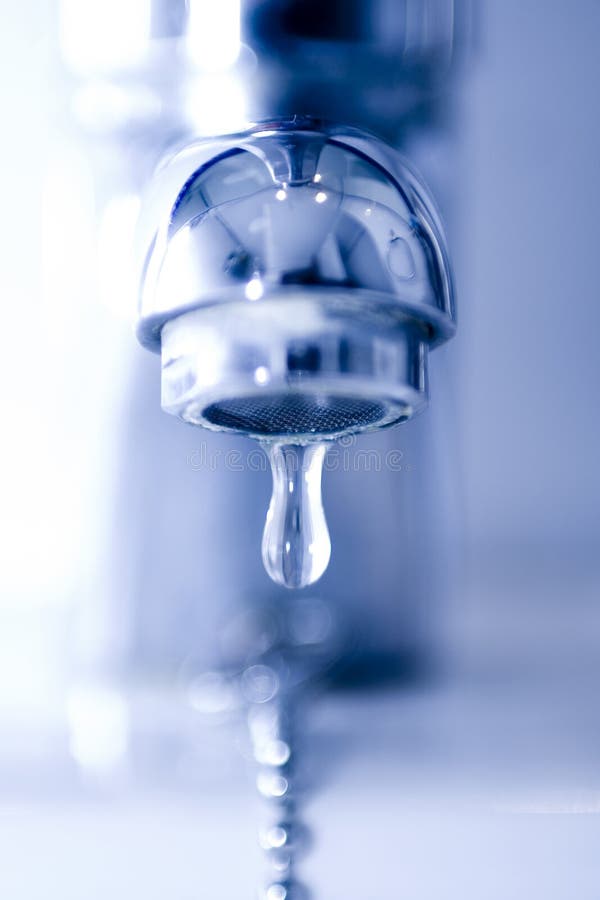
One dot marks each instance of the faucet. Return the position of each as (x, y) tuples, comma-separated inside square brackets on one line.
[(294, 280)]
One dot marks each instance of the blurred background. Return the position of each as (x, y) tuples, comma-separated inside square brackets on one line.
[(437, 689)]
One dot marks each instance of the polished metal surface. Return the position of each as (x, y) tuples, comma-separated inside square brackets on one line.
[(294, 265)]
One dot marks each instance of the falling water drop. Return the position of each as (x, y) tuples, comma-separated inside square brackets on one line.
[(296, 546)]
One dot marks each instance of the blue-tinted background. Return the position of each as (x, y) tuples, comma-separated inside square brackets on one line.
[(456, 752)]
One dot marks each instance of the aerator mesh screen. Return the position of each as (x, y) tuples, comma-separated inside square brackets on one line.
[(294, 413)]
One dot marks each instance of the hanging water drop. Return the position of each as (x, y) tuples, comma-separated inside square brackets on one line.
[(296, 546)]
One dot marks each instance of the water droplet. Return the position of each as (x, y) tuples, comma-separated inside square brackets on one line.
[(296, 546), (273, 753), (285, 890), (276, 892), (277, 836), (259, 684), (273, 838), (281, 861), (273, 787)]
